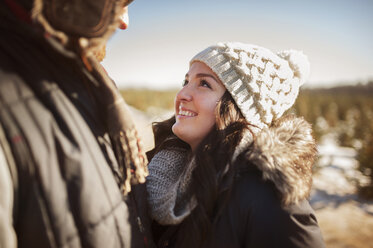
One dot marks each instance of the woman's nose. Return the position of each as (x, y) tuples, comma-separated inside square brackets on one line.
[(185, 94)]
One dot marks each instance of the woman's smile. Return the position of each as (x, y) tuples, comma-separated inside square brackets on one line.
[(183, 112)]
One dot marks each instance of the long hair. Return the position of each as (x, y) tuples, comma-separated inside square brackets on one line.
[(213, 176)]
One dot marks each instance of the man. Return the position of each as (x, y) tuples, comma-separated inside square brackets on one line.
[(71, 165)]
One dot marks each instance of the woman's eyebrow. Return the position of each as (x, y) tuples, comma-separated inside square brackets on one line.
[(203, 75)]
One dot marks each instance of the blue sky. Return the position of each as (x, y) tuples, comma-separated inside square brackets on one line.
[(336, 35)]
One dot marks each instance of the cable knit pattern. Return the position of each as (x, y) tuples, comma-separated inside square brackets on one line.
[(167, 184), (263, 84)]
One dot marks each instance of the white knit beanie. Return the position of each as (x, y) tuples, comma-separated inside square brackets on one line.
[(263, 84)]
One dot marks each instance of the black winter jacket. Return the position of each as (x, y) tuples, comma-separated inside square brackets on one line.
[(268, 205)]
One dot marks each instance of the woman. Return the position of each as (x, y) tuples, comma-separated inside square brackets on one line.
[(227, 170)]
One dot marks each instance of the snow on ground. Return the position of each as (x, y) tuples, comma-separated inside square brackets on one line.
[(345, 220), (337, 176)]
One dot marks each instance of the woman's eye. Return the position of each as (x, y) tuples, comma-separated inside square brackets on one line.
[(204, 83), (185, 82)]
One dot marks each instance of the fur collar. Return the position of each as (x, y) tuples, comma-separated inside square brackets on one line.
[(284, 153)]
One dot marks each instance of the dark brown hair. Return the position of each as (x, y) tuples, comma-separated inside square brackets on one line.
[(213, 176)]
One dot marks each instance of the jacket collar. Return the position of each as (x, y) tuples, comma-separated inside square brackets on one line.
[(284, 153)]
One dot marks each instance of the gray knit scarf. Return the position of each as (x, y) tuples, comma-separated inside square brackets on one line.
[(170, 173)]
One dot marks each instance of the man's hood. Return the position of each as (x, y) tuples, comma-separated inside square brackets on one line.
[(80, 18), (285, 153), (88, 22)]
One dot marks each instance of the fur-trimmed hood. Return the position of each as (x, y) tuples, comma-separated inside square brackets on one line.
[(284, 153)]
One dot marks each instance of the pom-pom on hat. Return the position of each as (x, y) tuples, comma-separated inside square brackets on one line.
[(263, 84)]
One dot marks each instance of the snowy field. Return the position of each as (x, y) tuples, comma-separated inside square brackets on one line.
[(344, 218), (337, 177)]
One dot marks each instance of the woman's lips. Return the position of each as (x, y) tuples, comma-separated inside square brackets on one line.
[(186, 112)]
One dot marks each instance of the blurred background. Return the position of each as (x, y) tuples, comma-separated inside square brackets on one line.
[(149, 60)]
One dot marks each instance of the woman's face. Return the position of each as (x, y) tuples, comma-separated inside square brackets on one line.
[(195, 104)]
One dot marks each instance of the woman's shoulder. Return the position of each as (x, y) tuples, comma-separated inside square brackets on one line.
[(257, 206), (253, 193), (249, 190), (283, 156)]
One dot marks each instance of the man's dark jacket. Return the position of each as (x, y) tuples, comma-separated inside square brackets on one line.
[(65, 175)]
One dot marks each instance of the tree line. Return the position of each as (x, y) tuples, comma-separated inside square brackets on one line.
[(347, 112)]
